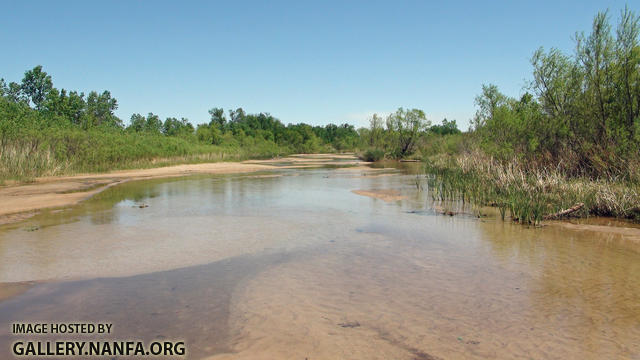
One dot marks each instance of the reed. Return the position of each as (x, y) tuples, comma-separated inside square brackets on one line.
[(25, 160), (527, 195), (66, 152)]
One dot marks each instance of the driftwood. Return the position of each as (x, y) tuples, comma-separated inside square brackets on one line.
[(562, 213)]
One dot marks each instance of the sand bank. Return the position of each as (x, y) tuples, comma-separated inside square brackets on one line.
[(385, 195), (19, 202)]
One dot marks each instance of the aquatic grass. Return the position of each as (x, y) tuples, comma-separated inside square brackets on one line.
[(527, 195)]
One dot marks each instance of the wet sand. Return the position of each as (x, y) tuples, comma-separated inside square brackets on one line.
[(297, 266), (618, 230), (20, 202), (52, 192), (9, 290), (387, 195)]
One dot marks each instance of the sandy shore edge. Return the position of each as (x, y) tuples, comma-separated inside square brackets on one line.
[(22, 201)]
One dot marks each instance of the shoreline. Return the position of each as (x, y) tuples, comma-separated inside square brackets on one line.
[(21, 201)]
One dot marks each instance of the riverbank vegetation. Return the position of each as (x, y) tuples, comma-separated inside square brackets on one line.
[(45, 131), (525, 195), (570, 145), (573, 138)]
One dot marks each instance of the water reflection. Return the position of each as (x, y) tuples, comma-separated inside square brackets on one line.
[(296, 265)]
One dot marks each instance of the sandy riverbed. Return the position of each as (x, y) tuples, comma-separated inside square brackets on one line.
[(22, 201), (388, 195)]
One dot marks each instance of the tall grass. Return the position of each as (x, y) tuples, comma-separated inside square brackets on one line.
[(527, 195), (24, 160), (61, 151)]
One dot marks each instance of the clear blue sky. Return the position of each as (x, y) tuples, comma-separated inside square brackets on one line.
[(302, 61)]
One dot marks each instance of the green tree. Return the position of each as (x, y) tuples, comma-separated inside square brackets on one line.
[(71, 107), (377, 131), (236, 115), (100, 110), (487, 104), (36, 84), (406, 126), (217, 117), (15, 94), (627, 52), (153, 124), (595, 53), (446, 128), (208, 134), (175, 127)]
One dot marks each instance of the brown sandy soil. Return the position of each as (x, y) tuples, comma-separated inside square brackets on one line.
[(51, 192), (265, 176), (311, 164), (385, 195), (325, 156), (8, 290), (310, 158), (617, 230), (360, 171), (22, 201), (370, 175), (361, 168), (314, 160)]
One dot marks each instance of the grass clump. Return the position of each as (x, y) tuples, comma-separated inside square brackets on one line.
[(527, 196)]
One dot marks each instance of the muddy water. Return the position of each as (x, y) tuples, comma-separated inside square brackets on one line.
[(298, 266)]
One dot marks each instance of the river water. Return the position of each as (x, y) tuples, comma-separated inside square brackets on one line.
[(292, 264)]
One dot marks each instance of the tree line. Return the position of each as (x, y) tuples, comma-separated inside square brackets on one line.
[(580, 114), (35, 109), (35, 103)]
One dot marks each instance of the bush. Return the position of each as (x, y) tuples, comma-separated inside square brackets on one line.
[(372, 155)]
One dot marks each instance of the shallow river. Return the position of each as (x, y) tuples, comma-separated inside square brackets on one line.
[(292, 264)]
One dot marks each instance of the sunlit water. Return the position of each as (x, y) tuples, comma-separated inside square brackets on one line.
[(297, 266)]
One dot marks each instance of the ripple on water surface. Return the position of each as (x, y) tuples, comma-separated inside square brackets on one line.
[(298, 265)]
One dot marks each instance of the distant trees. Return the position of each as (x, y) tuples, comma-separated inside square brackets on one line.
[(12, 92), (137, 123), (405, 127), (59, 106), (397, 135), (446, 128), (151, 124), (209, 134), (403, 132), (70, 106), (342, 137), (37, 100), (36, 84), (217, 117), (376, 126), (175, 127), (580, 114), (100, 110)]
